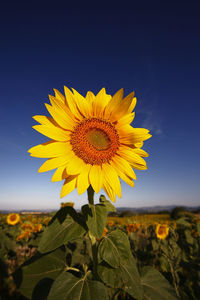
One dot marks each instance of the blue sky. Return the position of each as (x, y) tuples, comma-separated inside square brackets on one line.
[(150, 48)]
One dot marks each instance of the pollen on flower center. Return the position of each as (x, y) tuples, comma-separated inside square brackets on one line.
[(98, 139), (95, 141)]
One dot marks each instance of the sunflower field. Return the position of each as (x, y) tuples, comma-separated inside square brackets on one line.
[(164, 258)]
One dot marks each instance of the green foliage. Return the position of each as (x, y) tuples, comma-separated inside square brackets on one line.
[(115, 248), (155, 286), (107, 203), (69, 287), (82, 264), (37, 274), (66, 225), (96, 216)]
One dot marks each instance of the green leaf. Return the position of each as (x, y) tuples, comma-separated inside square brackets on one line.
[(48, 266), (125, 277), (65, 226), (7, 243), (109, 206), (156, 287), (96, 216), (189, 238), (155, 245), (183, 222), (69, 287), (114, 248)]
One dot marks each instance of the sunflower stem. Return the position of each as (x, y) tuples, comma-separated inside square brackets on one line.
[(90, 193)]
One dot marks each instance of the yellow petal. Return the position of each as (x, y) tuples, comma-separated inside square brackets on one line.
[(53, 163), (122, 109), (112, 178), (59, 174), (68, 186), (61, 118), (130, 135), (83, 105), (122, 175), (124, 166), (128, 154), (50, 149), (95, 177), (109, 191), (59, 96), (53, 132), (90, 97), (72, 103), (45, 120), (127, 119), (141, 152), (75, 164), (113, 103), (100, 102), (83, 180)]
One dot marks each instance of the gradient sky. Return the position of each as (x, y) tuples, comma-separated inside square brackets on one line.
[(151, 48)]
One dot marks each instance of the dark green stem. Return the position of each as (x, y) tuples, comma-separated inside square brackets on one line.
[(90, 193)]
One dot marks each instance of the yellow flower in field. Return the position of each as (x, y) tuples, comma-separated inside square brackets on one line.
[(162, 231), (132, 227), (64, 204), (110, 223), (27, 226), (23, 235), (92, 141), (13, 219), (37, 228)]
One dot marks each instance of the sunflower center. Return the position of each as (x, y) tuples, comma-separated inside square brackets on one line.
[(95, 141), (162, 230), (98, 139), (13, 217)]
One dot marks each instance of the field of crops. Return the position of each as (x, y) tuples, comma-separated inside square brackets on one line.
[(170, 246)]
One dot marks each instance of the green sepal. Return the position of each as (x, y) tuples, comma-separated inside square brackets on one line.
[(67, 225)]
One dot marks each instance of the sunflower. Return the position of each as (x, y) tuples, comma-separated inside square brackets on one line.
[(25, 234), (13, 219), (92, 141), (162, 231)]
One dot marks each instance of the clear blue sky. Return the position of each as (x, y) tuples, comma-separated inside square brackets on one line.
[(152, 48)]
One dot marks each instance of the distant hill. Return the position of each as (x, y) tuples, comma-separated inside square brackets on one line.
[(145, 209), (155, 209)]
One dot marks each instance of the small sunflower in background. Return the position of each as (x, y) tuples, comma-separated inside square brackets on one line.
[(13, 219), (162, 231), (92, 141), (24, 235), (64, 204)]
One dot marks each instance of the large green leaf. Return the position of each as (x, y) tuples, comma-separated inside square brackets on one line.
[(41, 271), (155, 286), (109, 206), (6, 243), (114, 248), (69, 287), (96, 216), (125, 277), (65, 226)]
